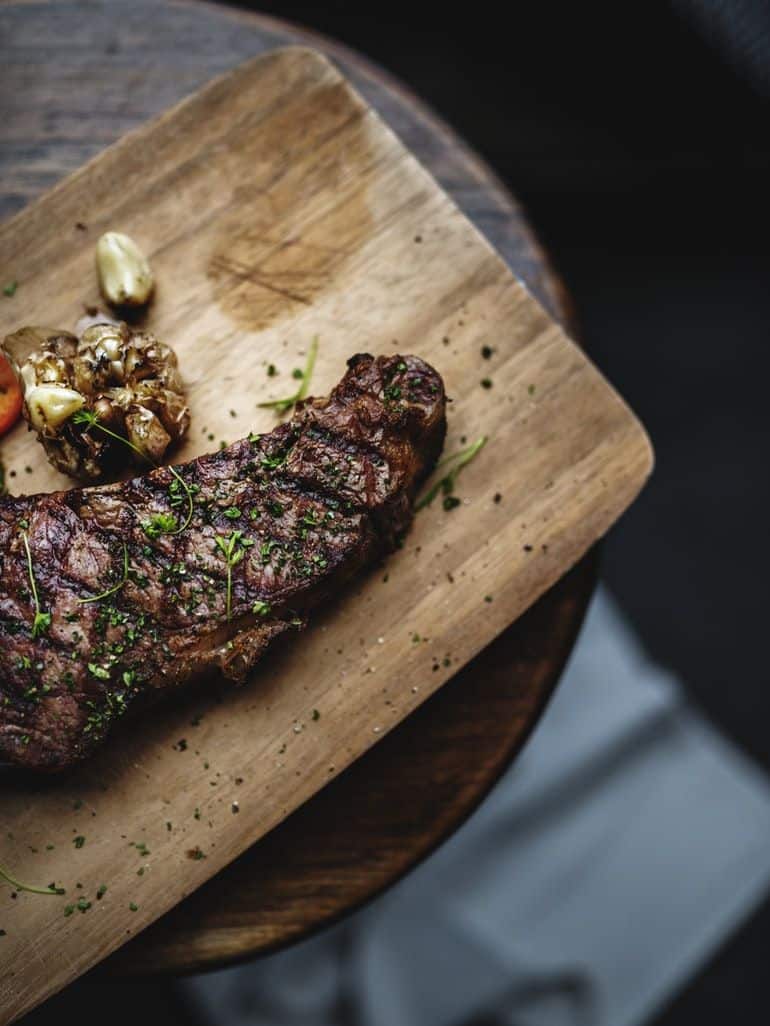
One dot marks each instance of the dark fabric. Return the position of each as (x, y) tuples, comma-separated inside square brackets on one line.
[(739, 30)]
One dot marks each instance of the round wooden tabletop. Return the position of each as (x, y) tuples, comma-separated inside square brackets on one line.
[(75, 78)]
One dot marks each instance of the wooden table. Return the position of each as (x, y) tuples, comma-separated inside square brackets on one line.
[(74, 79)]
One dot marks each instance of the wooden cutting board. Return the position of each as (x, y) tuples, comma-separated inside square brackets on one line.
[(275, 206)]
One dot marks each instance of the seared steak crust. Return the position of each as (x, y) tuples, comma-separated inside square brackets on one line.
[(300, 510)]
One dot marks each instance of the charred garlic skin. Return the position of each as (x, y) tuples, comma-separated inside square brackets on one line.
[(125, 276), (129, 379)]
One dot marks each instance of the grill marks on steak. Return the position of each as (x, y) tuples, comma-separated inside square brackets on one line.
[(315, 500)]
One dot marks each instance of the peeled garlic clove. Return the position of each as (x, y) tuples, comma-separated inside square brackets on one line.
[(124, 273), (50, 405)]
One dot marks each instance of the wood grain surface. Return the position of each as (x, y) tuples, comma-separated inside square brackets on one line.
[(334, 229)]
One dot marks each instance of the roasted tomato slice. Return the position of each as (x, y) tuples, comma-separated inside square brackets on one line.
[(10, 396)]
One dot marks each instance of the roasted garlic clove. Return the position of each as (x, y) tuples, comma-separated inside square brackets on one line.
[(146, 432), (48, 406), (125, 276)]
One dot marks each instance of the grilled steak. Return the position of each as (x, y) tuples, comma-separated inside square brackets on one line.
[(111, 595)]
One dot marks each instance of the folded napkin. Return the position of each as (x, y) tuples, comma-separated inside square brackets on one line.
[(613, 857)]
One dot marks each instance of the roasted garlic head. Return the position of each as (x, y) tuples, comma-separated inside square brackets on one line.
[(127, 382)]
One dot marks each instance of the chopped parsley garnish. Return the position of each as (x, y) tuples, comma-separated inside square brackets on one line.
[(158, 524), (446, 484), (100, 672), (79, 841), (9, 289), (282, 405), (261, 608), (42, 620)]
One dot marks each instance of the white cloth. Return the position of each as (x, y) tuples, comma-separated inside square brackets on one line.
[(624, 844)]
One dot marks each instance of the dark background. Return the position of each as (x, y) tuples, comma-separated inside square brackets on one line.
[(642, 156), (639, 145)]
